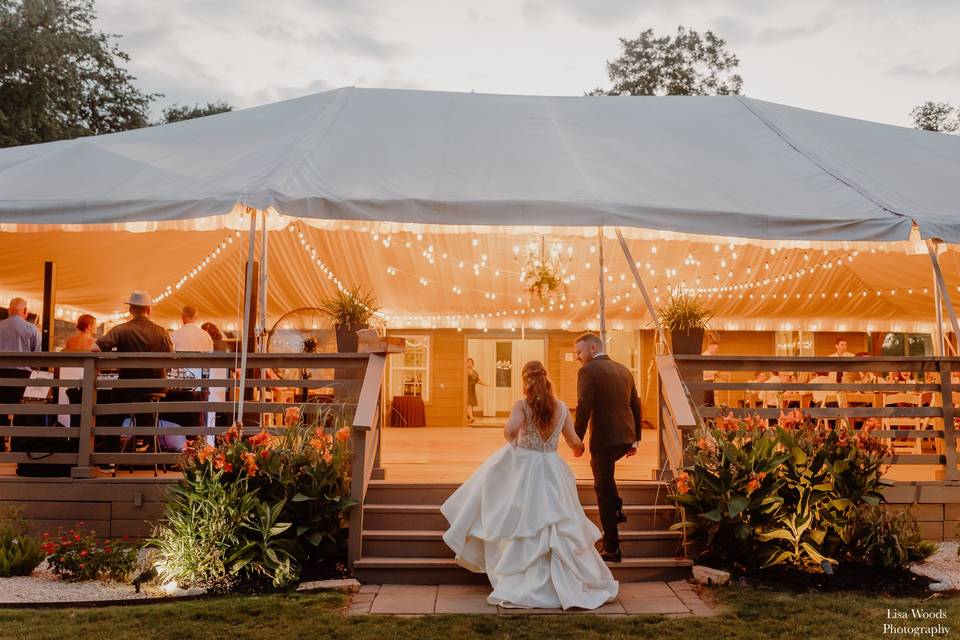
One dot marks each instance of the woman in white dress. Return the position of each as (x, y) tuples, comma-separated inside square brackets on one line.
[(518, 517)]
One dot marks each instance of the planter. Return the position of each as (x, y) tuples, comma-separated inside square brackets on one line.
[(349, 342), (687, 344), (347, 339)]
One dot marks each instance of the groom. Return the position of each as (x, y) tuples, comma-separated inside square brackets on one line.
[(607, 400)]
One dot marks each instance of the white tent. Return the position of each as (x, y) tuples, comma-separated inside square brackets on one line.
[(421, 193), (727, 166)]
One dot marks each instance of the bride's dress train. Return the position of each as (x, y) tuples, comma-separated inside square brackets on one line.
[(518, 519)]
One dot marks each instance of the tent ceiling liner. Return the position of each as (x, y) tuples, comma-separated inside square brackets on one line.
[(723, 166)]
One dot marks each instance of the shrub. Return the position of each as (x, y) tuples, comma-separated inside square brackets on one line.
[(255, 510), (781, 494), (20, 553), (888, 538), (78, 555)]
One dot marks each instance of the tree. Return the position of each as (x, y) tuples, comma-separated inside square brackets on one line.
[(687, 64), (59, 77), (936, 116), (177, 113)]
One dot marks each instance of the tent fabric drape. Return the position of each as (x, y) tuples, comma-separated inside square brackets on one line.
[(725, 166)]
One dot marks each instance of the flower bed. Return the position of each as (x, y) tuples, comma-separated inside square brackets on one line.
[(797, 493), (255, 512)]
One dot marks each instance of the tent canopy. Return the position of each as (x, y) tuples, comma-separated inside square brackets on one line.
[(724, 166)]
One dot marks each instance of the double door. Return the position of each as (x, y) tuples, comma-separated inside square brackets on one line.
[(499, 362)]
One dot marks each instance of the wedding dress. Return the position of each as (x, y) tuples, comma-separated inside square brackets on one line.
[(518, 518)]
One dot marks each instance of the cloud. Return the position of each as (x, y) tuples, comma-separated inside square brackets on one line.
[(947, 72), (737, 30), (596, 13)]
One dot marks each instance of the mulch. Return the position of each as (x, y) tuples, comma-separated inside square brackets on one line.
[(846, 577)]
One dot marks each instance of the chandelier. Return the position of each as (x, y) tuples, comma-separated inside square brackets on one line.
[(544, 271)]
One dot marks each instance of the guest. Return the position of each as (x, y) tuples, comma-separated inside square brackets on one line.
[(16, 335), (191, 337), (894, 377), (820, 397), (219, 344), (473, 379), (84, 339), (907, 377), (840, 351), (139, 334)]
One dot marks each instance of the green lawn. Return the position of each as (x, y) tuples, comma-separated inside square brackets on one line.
[(747, 614)]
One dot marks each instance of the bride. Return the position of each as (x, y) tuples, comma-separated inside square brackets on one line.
[(519, 519)]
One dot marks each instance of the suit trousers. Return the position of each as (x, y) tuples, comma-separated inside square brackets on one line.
[(603, 464)]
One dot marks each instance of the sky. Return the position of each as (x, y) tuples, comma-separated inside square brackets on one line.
[(870, 59)]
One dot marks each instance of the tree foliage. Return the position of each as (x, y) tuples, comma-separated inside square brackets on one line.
[(687, 64), (60, 77), (178, 113), (936, 116)]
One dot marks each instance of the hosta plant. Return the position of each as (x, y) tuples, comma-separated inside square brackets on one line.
[(765, 494)]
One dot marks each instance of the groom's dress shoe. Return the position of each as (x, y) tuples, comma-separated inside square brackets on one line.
[(611, 556), (621, 516)]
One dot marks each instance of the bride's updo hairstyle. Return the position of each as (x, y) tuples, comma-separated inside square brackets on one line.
[(539, 393)]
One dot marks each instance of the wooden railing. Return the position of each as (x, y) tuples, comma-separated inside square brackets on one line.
[(676, 417), (365, 443), (335, 382), (846, 401)]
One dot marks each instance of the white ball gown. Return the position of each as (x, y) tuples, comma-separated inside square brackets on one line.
[(518, 519)]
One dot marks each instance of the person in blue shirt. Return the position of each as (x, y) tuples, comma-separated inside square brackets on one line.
[(16, 335)]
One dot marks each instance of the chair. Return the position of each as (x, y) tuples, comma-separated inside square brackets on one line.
[(155, 399), (900, 422)]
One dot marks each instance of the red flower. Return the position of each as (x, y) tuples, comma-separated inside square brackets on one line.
[(683, 479), (84, 553), (107, 550), (259, 439)]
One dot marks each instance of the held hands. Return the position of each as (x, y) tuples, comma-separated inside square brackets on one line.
[(578, 450)]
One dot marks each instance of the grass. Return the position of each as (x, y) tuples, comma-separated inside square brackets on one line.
[(746, 614)]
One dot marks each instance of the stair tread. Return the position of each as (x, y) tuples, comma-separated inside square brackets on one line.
[(622, 484), (433, 534), (444, 563), (433, 508)]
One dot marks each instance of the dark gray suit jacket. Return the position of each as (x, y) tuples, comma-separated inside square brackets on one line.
[(607, 400)]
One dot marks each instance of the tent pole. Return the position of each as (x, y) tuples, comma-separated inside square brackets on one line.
[(264, 238), (603, 293), (643, 290), (246, 311), (938, 304), (944, 292)]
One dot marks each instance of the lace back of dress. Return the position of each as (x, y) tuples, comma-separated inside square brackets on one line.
[(529, 436)]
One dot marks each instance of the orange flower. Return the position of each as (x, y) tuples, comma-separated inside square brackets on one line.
[(754, 482), (327, 457), (250, 463), (683, 486), (343, 434), (291, 416), (317, 443), (729, 422), (259, 439), (703, 444), (232, 433), (205, 453), (790, 420)]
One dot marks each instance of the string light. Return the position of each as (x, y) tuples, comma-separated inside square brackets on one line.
[(197, 269)]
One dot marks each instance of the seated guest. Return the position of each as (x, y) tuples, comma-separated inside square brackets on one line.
[(894, 377), (16, 335), (191, 337), (820, 397), (84, 339), (907, 377), (219, 344)]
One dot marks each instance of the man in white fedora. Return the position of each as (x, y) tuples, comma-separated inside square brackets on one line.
[(137, 335)]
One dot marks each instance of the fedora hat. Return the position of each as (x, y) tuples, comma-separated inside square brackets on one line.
[(140, 299)]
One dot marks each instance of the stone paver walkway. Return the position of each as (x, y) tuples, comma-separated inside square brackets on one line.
[(671, 599)]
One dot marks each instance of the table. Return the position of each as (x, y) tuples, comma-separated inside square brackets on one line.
[(407, 411)]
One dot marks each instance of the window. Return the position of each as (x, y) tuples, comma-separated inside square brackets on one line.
[(906, 344), (410, 371), (794, 343)]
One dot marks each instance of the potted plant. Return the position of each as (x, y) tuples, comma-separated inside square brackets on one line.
[(686, 320), (350, 310)]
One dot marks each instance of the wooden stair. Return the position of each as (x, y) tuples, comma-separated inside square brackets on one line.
[(402, 539)]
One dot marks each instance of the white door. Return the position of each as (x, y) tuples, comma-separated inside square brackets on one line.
[(499, 362)]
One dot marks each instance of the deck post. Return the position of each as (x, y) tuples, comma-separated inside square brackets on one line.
[(949, 433), (88, 400), (246, 329), (944, 291), (49, 312)]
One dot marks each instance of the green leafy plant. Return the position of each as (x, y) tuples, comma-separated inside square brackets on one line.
[(883, 537), (350, 306), (255, 510), (78, 555), (20, 553), (683, 312), (761, 494)]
